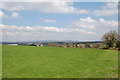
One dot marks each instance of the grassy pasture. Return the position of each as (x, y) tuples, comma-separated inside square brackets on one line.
[(56, 62), (0, 61)]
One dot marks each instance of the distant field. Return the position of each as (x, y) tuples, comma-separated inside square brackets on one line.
[(55, 62)]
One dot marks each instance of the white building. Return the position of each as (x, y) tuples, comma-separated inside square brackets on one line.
[(13, 44)]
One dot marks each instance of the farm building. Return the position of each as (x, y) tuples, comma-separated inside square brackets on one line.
[(13, 44), (38, 44)]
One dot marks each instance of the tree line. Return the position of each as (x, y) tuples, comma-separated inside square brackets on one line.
[(111, 40)]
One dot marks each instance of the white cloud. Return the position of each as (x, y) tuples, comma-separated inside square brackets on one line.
[(105, 23), (88, 20), (2, 14), (107, 10), (43, 28), (48, 20), (15, 15), (60, 0), (81, 24), (48, 7), (89, 23), (111, 5), (28, 33)]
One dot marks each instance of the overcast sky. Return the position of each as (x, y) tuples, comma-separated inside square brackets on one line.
[(61, 20)]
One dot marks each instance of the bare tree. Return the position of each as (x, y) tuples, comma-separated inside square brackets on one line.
[(110, 39)]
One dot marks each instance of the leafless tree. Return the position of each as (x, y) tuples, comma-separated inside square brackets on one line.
[(110, 39)]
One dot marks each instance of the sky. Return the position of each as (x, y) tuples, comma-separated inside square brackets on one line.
[(33, 21)]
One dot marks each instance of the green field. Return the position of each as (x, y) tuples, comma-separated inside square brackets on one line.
[(0, 61), (56, 62)]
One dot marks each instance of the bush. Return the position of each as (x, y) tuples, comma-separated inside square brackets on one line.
[(70, 45), (99, 45), (118, 45), (87, 45), (54, 44), (82, 46)]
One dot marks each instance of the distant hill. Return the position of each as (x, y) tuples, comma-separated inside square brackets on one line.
[(47, 41)]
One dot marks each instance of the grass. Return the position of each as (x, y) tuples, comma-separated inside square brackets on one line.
[(56, 62), (0, 62)]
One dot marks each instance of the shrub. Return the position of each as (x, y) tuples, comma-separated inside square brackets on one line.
[(87, 45), (82, 46), (54, 44)]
